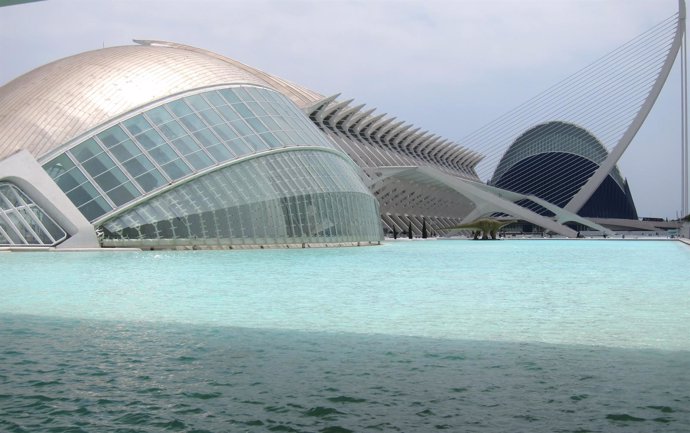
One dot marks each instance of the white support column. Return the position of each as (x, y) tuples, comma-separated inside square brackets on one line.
[(684, 126), (581, 197), (25, 172)]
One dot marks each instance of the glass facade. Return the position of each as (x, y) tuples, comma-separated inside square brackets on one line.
[(553, 137), (553, 161), (288, 195), (22, 222), (175, 140), (284, 198)]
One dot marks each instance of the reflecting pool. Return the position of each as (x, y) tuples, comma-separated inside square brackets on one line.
[(523, 335)]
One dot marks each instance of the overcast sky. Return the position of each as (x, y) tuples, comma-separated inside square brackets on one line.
[(446, 66)]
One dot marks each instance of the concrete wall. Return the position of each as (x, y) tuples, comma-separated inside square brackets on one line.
[(22, 169)]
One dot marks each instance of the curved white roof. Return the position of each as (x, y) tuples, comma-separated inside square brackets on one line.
[(48, 106)]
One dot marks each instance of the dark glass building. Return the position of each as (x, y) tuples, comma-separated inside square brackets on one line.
[(553, 161)]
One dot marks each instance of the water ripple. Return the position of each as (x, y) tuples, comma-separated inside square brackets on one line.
[(131, 377)]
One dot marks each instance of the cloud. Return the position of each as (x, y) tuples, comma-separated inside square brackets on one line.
[(464, 40)]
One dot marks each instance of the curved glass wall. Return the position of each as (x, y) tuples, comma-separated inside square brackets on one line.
[(553, 161), (22, 222), (172, 141), (289, 197), (553, 137)]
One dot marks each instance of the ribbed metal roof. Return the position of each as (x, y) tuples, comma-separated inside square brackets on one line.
[(301, 96), (48, 106)]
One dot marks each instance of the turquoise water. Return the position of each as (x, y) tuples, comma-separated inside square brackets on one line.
[(533, 336), (572, 292)]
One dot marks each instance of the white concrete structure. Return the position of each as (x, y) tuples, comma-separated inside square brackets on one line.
[(22, 171), (158, 145)]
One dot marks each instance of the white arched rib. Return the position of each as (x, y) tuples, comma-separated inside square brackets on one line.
[(609, 163)]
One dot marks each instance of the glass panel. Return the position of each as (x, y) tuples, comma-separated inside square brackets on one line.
[(163, 154), (71, 179), (257, 142), (55, 231), (125, 150), (211, 117), (137, 124), (33, 224), (150, 139), (243, 110), (95, 208), (111, 136), (228, 113), (164, 229), (4, 240), (179, 107), (220, 153), (82, 194), (123, 194), (111, 179), (197, 102), (11, 200), (257, 125), (159, 116), (176, 169), (295, 138), (293, 125), (215, 99), (86, 150), (230, 96), (239, 147), (172, 130), (193, 123), (269, 109), (151, 180), (224, 132), (6, 196), (138, 165), (271, 140), (5, 202), (16, 220), (284, 139), (180, 227), (272, 124), (199, 160), (256, 108), (98, 165), (258, 93), (284, 125), (274, 97), (241, 128), (243, 93), (58, 166), (186, 145), (8, 227), (206, 138)]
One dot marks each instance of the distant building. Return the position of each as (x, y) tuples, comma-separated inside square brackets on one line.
[(553, 161)]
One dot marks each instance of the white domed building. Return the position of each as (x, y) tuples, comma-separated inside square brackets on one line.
[(158, 145)]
